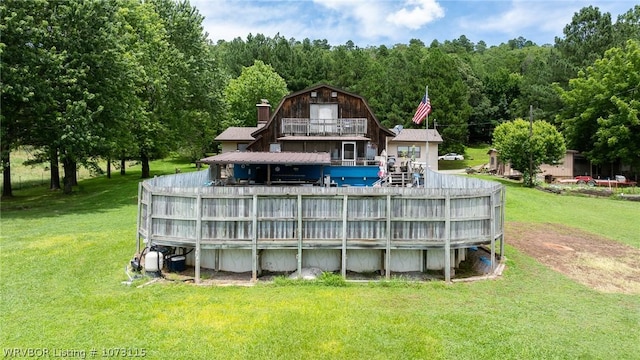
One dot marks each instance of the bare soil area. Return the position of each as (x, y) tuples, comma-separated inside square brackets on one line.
[(594, 261)]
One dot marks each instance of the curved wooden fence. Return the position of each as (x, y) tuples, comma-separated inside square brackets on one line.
[(452, 212)]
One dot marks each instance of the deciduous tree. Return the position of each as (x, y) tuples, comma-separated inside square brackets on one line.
[(256, 82), (602, 104), (526, 146)]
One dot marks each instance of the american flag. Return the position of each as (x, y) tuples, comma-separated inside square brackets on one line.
[(423, 110)]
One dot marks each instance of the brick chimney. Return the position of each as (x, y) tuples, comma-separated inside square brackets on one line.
[(264, 112)]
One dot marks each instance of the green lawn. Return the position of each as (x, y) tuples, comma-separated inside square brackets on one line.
[(62, 260), (474, 156)]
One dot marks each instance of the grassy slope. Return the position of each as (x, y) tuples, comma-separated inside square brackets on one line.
[(474, 156), (62, 262), (614, 219)]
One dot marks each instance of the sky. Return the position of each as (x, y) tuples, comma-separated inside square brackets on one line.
[(389, 22)]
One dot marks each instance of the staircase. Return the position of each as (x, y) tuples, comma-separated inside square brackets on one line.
[(397, 179), (401, 179)]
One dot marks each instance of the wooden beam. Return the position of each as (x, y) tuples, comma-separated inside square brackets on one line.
[(138, 218), (345, 206), (300, 230), (254, 239), (149, 218), (198, 253), (268, 174), (492, 204), (503, 200), (387, 255), (447, 240)]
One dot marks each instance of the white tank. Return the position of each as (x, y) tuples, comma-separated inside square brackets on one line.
[(153, 261)]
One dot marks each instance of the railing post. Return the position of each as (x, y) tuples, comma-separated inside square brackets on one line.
[(299, 257), (447, 240), (345, 206), (140, 199), (150, 216), (503, 200), (254, 240), (198, 254), (387, 256), (492, 205)]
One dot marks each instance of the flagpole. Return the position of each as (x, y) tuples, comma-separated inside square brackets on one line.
[(426, 152)]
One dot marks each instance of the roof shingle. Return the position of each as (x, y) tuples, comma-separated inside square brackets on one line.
[(418, 135), (292, 158)]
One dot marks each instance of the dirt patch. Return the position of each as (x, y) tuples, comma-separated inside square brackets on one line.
[(599, 263)]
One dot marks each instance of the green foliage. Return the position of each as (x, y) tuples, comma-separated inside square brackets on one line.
[(330, 279), (92, 79), (256, 82), (527, 146), (449, 100), (325, 279), (627, 27), (587, 37), (601, 108)]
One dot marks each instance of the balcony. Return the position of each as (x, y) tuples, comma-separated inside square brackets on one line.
[(310, 127)]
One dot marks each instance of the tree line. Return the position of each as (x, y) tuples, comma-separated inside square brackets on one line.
[(125, 79), (107, 79)]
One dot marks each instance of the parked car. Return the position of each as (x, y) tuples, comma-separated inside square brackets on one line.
[(451, 156)]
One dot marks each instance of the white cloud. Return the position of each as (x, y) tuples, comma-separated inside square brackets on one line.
[(226, 20), (416, 14), (376, 20), (355, 17)]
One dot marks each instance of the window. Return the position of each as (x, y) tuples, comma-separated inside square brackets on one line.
[(242, 147), (324, 118), (324, 111), (409, 151)]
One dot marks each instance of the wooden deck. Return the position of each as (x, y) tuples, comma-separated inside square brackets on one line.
[(450, 213)]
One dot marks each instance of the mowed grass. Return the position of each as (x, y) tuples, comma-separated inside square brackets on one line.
[(614, 219), (25, 176), (474, 156), (62, 260)]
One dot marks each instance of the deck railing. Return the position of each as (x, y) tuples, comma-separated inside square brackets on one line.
[(307, 127)]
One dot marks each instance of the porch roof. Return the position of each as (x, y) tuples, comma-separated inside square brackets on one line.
[(290, 158)]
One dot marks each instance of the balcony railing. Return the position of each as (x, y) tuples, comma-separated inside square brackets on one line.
[(344, 126)]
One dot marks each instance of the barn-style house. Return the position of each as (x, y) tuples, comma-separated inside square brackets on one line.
[(310, 186)]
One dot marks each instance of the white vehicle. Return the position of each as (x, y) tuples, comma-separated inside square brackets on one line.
[(451, 156)]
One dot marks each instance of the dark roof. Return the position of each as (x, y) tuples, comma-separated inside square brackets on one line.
[(291, 158), (413, 135)]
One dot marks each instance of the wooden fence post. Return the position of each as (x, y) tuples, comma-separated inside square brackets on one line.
[(447, 240), (345, 206), (198, 236), (254, 240), (299, 256), (387, 255)]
